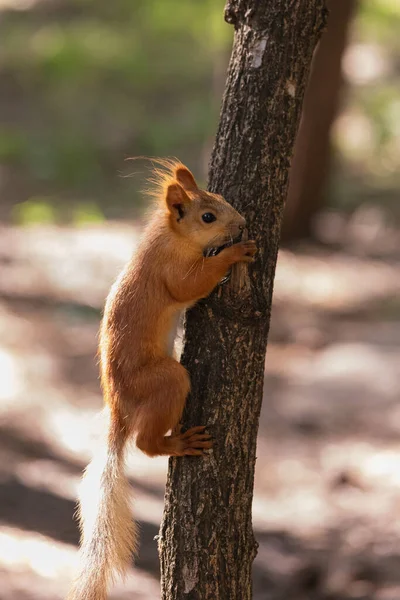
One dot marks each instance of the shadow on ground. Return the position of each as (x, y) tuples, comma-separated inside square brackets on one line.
[(326, 505)]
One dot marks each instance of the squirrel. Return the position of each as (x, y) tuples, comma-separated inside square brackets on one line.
[(144, 387)]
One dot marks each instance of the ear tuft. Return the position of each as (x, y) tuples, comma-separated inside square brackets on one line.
[(185, 178)]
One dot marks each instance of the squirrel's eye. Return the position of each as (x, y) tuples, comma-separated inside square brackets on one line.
[(208, 217)]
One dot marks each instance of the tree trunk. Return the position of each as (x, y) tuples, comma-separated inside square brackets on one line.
[(206, 539), (310, 165)]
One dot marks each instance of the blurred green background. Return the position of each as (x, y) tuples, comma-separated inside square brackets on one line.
[(366, 136), (87, 83)]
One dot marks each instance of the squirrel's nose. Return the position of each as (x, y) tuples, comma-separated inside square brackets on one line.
[(242, 226)]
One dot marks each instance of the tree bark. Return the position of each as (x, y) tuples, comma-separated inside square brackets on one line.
[(311, 159), (206, 539)]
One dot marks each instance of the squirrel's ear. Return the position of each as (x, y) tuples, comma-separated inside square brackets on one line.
[(185, 178), (176, 199)]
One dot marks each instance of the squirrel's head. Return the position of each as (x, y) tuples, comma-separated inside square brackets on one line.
[(205, 218)]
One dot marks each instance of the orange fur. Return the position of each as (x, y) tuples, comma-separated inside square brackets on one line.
[(145, 389)]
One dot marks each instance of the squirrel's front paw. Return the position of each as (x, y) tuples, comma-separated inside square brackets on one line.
[(244, 251)]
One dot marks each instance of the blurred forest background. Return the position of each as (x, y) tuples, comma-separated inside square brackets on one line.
[(86, 84)]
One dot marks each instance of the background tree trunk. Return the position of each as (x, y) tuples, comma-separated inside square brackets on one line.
[(206, 540), (310, 165)]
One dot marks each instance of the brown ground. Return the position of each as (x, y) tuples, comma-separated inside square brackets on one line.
[(326, 506)]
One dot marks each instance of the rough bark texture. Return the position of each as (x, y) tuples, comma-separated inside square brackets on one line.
[(206, 540), (311, 157)]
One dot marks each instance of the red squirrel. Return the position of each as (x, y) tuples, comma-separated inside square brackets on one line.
[(144, 387)]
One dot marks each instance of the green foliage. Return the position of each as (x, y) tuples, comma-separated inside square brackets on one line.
[(12, 145), (87, 213), (34, 211), (379, 20), (88, 83), (94, 82), (367, 135)]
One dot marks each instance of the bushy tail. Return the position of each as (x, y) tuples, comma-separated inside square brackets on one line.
[(109, 534)]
